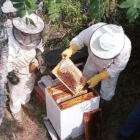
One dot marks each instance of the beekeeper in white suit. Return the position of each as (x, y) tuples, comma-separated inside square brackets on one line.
[(109, 51), (25, 43)]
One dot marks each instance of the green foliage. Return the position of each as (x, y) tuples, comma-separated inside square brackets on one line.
[(54, 9), (32, 22), (112, 12), (64, 42), (26, 6), (21, 13), (70, 138), (72, 18), (127, 4), (96, 10), (133, 10)]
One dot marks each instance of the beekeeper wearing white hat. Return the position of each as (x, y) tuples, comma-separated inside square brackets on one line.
[(25, 43), (8, 12), (109, 51), (8, 7)]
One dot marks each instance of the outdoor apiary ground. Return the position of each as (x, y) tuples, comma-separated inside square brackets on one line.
[(33, 128)]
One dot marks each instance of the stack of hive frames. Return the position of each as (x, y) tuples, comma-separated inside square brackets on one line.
[(64, 97), (60, 93)]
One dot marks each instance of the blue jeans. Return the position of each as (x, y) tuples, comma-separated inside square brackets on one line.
[(132, 124), (1, 2)]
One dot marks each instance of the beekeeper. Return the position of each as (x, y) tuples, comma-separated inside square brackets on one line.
[(25, 43), (109, 51)]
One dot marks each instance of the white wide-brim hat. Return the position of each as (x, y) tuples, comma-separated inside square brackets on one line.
[(8, 7), (107, 41), (20, 24)]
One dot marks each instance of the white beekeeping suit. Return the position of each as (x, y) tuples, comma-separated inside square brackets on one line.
[(25, 41), (109, 51), (8, 7)]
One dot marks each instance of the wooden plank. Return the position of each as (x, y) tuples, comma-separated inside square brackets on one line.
[(76, 100), (62, 96), (56, 89), (50, 129), (40, 94), (61, 93), (92, 125), (79, 137), (65, 96)]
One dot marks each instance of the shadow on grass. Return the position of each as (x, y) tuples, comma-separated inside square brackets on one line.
[(32, 126), (125, 99), (37, 117), (9, 129)]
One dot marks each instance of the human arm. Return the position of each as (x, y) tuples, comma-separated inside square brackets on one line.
[(70, 51), (97, 78), (81, 40), (11, 73), (13, 49), (119, 64), (39, 51), (39, 57)]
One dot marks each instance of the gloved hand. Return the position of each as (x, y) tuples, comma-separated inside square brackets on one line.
[(97, 78), (70, 51), (39, 57), (13, 79)]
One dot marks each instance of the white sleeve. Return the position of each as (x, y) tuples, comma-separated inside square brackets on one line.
[(84, 37), (121, 61), (40, 46), (13, 49), (11, 58)]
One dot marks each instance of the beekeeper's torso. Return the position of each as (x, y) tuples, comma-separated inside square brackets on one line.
[(113, 66), (20, 56)]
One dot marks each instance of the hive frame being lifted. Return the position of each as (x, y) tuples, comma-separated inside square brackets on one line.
[(70, 75)]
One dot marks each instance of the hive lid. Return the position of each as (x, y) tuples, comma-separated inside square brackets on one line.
[(70, 75)]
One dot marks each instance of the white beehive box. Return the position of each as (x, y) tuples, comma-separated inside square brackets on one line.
[(68, 120)]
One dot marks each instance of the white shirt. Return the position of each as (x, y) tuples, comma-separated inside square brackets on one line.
[(113, 66), (20, 56)]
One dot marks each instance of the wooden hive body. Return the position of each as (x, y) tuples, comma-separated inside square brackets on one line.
[(67, 116)]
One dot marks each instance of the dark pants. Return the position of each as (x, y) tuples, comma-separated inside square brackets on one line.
[(132, 124), (1, 2)]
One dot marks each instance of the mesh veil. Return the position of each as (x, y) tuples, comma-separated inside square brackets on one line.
[(29, 40)]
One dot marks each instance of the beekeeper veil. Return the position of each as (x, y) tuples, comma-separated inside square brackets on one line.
[(28, 34)]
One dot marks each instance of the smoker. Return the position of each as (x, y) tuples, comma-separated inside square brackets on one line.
[(67, 100)]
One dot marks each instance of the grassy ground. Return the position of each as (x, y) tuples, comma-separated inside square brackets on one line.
[(32, 127)]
